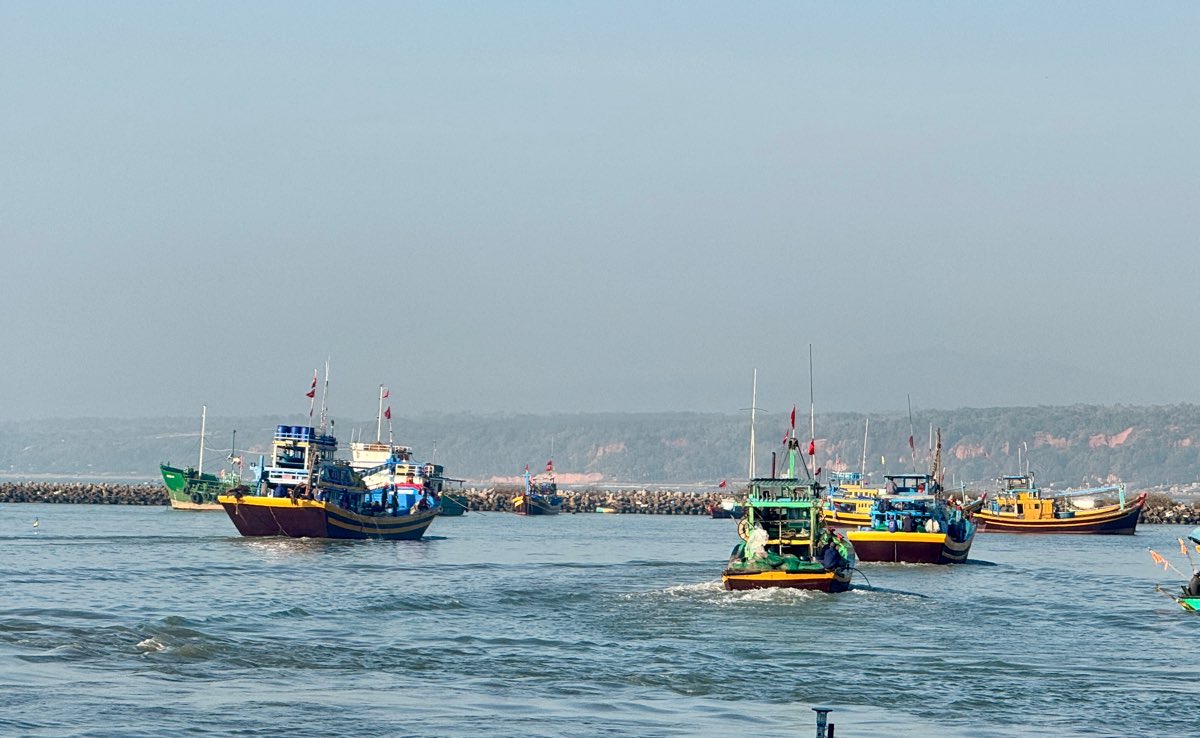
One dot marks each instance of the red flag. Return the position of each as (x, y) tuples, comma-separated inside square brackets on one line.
[(550, 465), (527, 468), (388, 413), (312, 392), (817, 473), (386, 393), (722, 484), (912, 445), (793, 416), (812, 447)]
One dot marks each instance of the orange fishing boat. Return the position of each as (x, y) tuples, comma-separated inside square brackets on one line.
[(1021, 507)]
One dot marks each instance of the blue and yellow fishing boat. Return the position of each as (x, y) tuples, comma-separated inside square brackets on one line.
[(911, 525), (304, 492)]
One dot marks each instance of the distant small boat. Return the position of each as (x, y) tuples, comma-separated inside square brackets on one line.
[(1021, 507), (540, 495), (728, 508), (607, 510), (454, 506)]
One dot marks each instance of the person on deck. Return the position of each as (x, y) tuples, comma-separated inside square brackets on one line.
[(1193, 586)]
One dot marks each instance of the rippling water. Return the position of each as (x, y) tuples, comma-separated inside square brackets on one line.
[(129, 621)]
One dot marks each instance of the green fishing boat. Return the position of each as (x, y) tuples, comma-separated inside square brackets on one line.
[(191, 488), (785, 539), (453, 506)]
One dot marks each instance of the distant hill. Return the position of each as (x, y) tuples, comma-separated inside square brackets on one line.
[(1065, 446)]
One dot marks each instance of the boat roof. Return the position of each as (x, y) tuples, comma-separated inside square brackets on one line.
[(920, 477)]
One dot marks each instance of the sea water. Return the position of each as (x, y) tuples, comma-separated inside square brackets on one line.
[(128, 621)]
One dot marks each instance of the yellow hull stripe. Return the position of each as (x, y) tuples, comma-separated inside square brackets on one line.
[(874, 536)]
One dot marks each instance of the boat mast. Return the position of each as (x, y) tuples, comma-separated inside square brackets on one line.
[(812, 420), (753, 401), (863, 471), (911, 445), (379, 416), (324, 399), (203, 418)]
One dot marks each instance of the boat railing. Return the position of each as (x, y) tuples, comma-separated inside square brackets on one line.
[(1118, 488)]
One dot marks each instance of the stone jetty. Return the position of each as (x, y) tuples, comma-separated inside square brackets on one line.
[(1159, 508), (84, 493)]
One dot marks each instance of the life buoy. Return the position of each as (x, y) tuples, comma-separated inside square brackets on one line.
[(744, 529)]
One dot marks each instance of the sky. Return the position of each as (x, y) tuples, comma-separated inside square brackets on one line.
[(561, 207)]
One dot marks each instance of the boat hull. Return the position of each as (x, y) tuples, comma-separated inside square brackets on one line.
[(842, 519), (282, 516), (909, 548), (1105, 522), (536, 506), (453, 506), (1191, 604), (190, 490), (821, 581)]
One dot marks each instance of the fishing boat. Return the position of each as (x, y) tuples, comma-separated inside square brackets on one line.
[(911, 525), (190, 488), (304, 492), (539, 496), (1188, 595), (786, 542), (392, 468), (453, 505), (1021, 507), (728, 508)]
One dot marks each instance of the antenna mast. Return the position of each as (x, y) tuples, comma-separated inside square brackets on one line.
[(379, 416), (203, 417), (753, 400), (866, 429), (324, 399)]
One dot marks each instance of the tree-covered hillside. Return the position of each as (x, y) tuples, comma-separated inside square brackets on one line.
[(1075, 445)]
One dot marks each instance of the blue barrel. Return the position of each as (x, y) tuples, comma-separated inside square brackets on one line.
[(281, 431)]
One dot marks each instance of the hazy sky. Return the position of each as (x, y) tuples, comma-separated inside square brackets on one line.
[(561, 207)]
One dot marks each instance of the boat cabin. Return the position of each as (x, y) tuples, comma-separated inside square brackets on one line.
[(296, 453), (910, 484), (788, 510)]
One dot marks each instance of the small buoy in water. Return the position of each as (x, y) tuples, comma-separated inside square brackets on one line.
[(35, 522)]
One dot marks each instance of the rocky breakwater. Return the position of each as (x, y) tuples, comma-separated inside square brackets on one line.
[(84, 493), (637, 502), (1162, 509)]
